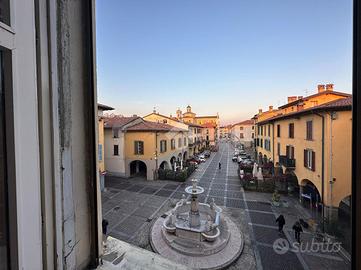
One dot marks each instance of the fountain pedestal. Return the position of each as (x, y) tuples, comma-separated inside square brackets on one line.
[(194, 229)]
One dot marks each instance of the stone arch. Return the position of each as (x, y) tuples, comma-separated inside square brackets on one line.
[(138, 168), (173, 161), (165, 165), (310, 195), (185, 156)]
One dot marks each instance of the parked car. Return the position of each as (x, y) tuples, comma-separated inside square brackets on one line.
[(202, 159), (207, 154), (235, 158), (194, 163), (194, 159)]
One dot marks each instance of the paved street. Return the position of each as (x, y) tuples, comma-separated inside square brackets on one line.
[(131, 205)]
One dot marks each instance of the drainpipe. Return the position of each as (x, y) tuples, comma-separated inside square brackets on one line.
[(331, 159), (323, 170)]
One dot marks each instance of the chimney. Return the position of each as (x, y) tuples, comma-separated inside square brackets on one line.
[(300, 97), (270, 108), (291, 99), (320, 88), (329, 87), (260, 111)]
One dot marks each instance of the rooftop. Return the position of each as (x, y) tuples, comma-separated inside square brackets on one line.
[(153, 126), (118, 121), (339, 105)]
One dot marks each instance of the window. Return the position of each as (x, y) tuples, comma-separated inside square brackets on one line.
[(163, 146), (165, 121), (179, 142), (310, 159), (139, 148), (5, 11), (261, 143), (278, 149), (257, 142), (172, 144), (291, 130), (269, 130), (252, 127), (267, 145), (309, 127), (290, 152), (185, 141), (116, 150), (278, 131), (115, 132), (241, 135), (241, 128), (262, 131), (252, 135), (100, 152)]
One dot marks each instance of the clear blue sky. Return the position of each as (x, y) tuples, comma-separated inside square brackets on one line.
[(226, 56)]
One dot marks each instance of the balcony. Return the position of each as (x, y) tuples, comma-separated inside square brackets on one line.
[(287, 162)]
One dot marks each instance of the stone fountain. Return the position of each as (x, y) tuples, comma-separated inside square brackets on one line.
[(197, 234)]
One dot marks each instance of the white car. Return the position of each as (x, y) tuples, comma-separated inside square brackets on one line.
[(201, 159)]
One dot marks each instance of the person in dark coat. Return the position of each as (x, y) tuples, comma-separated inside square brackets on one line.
[(219, 165), (281, 222), (298, 229), (105, 224)]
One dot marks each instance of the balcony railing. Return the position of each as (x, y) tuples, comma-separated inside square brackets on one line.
[(287, 162)]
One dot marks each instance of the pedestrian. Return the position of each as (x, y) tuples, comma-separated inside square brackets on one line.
[(281, 222), (219, 165), (298, 229), (105, 224)]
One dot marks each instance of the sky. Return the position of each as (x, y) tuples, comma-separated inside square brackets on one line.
[(227, 56)]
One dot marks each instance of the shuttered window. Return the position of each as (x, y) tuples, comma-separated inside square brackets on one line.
[(163, 146), (172, 144), (139, 148), (278, 131), (309, 130), (290, 152), (310, 159), (116, 150), (291, 130)]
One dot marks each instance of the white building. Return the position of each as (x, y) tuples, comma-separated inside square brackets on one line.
[(243, 132)]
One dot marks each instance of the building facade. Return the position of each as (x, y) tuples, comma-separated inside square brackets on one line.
[(101, 164), (209, 123), (312, 142), (243, 132), (136, 147)]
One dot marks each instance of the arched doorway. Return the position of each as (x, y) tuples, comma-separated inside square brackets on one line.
[(292, 183), (173, 162), (138, 168), (265, 159), (310, 196), (165, 166), (179, 157), (185, 156)]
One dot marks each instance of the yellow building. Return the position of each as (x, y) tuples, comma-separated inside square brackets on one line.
[(101, 109), (210, 122), (136, 147), (310, 138)]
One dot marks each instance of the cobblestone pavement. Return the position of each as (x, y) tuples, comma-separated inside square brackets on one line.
[(131, 205)]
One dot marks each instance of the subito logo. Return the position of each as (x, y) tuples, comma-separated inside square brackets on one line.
[(281, 246)]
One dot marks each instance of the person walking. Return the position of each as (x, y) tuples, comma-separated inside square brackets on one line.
[(281, 222), (298, 229), (219, 165)]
